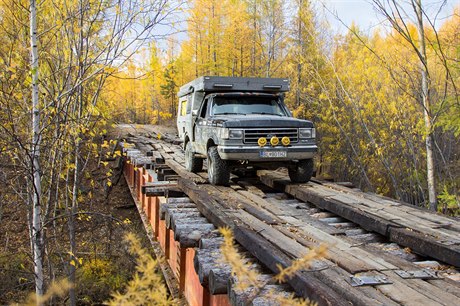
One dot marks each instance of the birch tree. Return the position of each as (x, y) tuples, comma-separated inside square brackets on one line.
[(53, 105), (36, 231), (396, 15)]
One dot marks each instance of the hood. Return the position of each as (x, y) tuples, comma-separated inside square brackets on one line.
[(264, 121)]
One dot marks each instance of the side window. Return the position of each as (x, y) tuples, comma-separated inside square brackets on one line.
[(183, 107), (204, 107)]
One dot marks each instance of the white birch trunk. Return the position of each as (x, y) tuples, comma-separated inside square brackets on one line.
[(426, 109), (37, 234)]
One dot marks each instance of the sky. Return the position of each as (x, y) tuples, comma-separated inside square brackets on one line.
[(367, 18), (340, 14)]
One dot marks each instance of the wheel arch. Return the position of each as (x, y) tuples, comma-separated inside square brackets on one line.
[(210, 143), (186, 140)]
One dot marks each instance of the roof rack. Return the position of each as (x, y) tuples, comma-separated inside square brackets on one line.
[(219, 84)]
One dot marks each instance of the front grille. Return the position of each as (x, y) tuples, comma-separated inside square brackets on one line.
[(252, 135)]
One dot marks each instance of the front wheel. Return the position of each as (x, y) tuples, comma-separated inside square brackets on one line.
[(302, 171), (192, 163), (218, 169)]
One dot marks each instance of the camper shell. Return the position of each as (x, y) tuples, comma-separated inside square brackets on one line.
[(242, 123)]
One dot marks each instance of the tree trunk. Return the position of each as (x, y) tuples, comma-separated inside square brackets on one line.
[(426, 109), (36, 234)]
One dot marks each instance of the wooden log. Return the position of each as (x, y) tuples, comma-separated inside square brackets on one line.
[(189, 220), (162, 191), (207, 205), (427, 246), (180, 170), (179, 207), (211, 243), (176, 213), (304, 284), (188, 235), (208, 261), (157, 184), (218, 279), (204, 261), (419, 241), (323, 287), (268, 295), (179, 200), (183, 231), (244, 297)]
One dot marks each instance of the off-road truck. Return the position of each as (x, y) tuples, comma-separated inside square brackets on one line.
[(239, 123)]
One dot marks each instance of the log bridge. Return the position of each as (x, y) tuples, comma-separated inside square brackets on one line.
[(380, 251)]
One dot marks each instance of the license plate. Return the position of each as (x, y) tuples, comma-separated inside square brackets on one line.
[(273, 154)]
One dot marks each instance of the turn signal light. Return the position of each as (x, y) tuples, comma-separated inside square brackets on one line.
[(262, 141), (274, 141), (285, 141)]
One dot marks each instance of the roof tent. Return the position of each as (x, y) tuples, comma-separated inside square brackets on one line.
[(221, 84)]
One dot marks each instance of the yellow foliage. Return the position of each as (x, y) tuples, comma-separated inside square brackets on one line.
[(147, 286), (240, 268), (59, 288), (301, 263), (249, 278)]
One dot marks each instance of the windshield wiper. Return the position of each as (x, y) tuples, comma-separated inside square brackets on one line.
[(264, 113), (227, 113)]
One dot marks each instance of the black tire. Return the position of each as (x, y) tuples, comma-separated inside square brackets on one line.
[(218, 169), (302, 171), (192, 163)]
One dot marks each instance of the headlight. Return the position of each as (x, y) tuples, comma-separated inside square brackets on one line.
[(235, 134), (223, 133), (307, 133)]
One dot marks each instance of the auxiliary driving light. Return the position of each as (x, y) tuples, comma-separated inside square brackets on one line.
[(285, 141), (274, 141), (262, 141)]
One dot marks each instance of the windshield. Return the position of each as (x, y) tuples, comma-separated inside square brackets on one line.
[(247, 105)]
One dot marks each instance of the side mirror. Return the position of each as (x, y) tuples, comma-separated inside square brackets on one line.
[(194, 112)]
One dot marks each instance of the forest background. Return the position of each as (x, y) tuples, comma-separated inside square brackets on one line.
[(385, 104), (363, 91)]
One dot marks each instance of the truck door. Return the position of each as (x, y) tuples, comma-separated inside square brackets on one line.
[(201, 128), (181, 116)]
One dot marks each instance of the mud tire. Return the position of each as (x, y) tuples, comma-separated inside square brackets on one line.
[(218, 169), (192, 163), (302, 171)]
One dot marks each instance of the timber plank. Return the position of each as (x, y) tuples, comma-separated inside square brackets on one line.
[(290, 246), (288, 213), (306, 284), (401, 293), (440, 248), (427, 220), (208, 205), (352, 259)]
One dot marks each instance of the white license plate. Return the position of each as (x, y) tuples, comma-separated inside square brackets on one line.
[(273, 154)]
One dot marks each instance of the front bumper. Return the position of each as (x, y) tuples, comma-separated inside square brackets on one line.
[(252, 153)]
